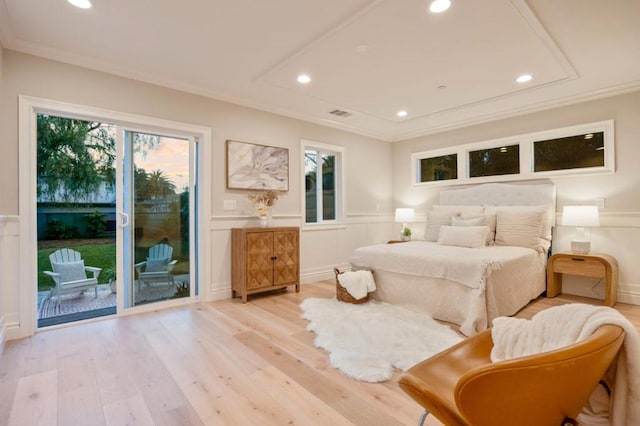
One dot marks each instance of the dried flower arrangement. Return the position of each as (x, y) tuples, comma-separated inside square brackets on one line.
[(263, 201)]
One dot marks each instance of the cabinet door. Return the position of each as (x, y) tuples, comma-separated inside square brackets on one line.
[(259, 262), (286, 265)]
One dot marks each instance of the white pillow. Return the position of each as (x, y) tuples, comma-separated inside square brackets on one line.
[(156, 265), (70, 271), (547, 221), (463, 236), (520, 228), (459, 210), (467, 221), (488, 220), (434, 221)]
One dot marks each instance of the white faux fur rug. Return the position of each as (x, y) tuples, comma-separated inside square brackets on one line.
[(367, 341)]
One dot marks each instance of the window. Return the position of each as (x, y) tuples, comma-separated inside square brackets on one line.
[(586, 148), (571, 152), (504, 160), (322, 165), (443, 167)]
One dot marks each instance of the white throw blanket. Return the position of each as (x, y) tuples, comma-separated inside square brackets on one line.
[(468, 266), (357, 283), (564, 325)]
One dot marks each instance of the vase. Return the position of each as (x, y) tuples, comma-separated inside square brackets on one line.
[(264, 221)]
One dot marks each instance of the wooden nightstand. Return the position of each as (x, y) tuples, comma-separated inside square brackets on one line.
[(586, 265)]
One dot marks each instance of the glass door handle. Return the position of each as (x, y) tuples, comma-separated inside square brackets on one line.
[(124, 219)]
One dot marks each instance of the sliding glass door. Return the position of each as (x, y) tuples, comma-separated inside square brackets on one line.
[(115, 218), (156, 217)]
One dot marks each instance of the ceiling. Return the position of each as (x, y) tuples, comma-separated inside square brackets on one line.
[(368, 58)]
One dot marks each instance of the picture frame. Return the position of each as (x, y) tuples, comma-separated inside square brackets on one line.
[(257, 167)]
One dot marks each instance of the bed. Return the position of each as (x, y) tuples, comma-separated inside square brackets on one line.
[(451, 274)]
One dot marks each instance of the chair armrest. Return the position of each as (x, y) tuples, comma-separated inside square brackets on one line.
[(171, 264), (139, 266), (431, 382), (54, 275), (94, 270)]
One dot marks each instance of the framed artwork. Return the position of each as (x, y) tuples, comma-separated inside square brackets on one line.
[(252, 166)]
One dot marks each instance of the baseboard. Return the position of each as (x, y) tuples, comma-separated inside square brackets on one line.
[(630, 294), (221, 292), (321, 273)]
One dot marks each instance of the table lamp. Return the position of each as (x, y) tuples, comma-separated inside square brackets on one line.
[(581, 217), (405, 216)]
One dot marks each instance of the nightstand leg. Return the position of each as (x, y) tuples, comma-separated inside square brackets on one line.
[(554, 284)]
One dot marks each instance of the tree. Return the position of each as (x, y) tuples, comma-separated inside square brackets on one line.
[(159, 186), (74, 157)]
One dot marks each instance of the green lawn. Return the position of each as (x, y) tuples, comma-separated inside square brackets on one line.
[(98, 255)]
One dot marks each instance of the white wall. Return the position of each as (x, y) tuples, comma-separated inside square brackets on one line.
[(368, 166), (620, 233)]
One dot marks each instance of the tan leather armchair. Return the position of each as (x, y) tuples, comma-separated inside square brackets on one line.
[(461, 386)]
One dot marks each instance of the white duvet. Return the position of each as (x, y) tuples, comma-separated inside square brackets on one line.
[(465, 286), (468, 266)]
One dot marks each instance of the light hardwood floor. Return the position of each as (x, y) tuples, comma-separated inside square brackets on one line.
[(219, 363)]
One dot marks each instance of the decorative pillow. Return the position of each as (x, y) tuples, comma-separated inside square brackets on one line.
[(467, 211), (488, 220), (463, 236), (520, 228), (156, 265), (467, 221), (547, 221), (434, 221), (70, 271)]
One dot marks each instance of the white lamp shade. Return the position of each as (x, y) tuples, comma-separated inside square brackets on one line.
[(580, 216), (405, 215)]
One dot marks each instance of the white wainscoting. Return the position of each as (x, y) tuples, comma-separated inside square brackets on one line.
[(9, 278), (322, 249)]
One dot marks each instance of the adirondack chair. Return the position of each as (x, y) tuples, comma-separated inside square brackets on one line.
[(70, 274), (158, 266)]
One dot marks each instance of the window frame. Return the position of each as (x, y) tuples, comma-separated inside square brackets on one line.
[(339, 185), (527, 160)]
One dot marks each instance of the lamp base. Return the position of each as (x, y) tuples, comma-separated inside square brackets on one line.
[(581, 247)]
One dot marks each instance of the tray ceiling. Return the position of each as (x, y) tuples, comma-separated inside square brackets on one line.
[(367, 58)]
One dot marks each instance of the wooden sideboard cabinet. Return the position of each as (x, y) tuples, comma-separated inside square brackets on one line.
[(264, 259)]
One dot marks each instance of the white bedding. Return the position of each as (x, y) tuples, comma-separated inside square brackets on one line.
[(466, 286)]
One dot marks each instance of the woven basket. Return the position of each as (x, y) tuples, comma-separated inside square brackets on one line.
[(343, 295)]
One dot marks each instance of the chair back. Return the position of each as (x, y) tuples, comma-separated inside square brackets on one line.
[(540, 389), (161, 251), (64, 255)]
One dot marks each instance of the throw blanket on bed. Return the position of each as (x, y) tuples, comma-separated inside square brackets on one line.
[(564, 325), (468, 266), (357, 283)]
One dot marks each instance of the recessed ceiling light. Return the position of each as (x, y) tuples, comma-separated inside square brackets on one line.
[(82, 4), (438, 6), (524, 78), (402, 113), (362, 48), (304, 79)]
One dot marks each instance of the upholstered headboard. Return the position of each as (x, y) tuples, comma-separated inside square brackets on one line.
[(503, 194)]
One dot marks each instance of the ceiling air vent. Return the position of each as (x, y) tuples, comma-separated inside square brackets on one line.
[(340, 113)]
